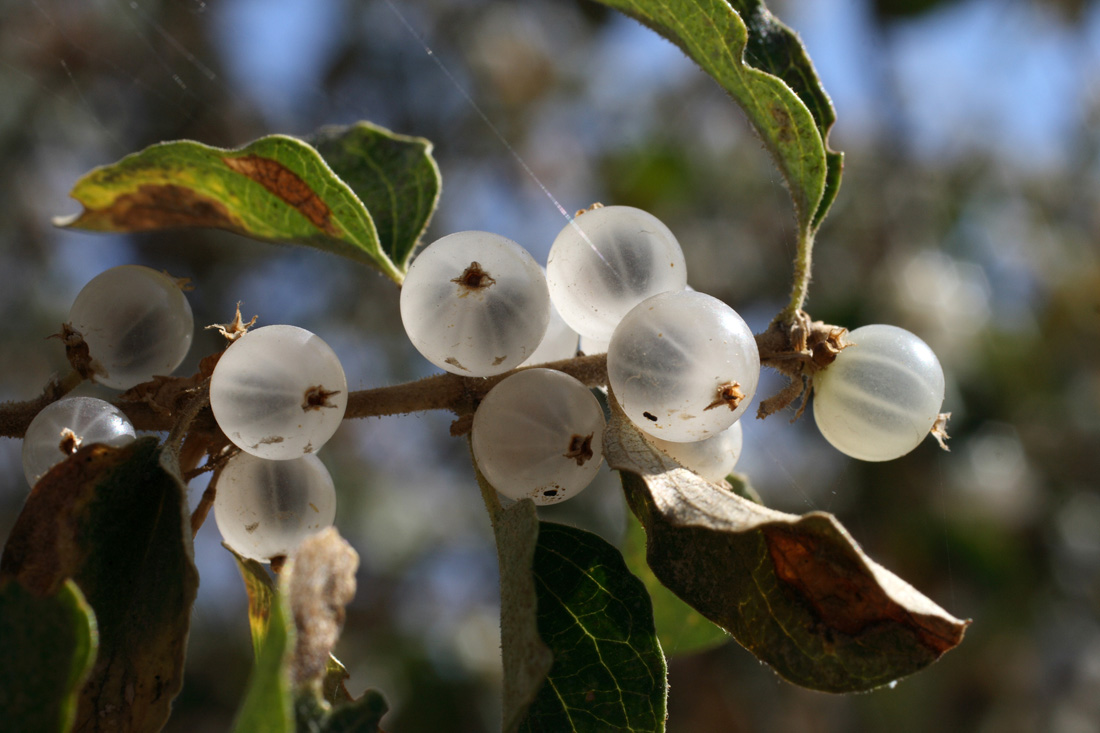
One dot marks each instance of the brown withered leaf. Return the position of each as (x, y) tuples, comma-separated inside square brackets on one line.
[(115, 521), (796, 591)]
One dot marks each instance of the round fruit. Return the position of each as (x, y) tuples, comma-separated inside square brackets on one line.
[(560, 342), (881, 396), (475, 303), (136, 322), (539, 435), (62, 427), (683, 366), (264, 509), (713, 458), (605, 262), (279, 392)]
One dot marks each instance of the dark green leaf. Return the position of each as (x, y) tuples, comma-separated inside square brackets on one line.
[(394, 176), (276, 188), (608, 673), (49, 646), (764, 67), (797, 591), (680, 628), (115, 520)]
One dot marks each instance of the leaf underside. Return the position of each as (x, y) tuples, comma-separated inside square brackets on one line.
[(115, 521), (796, 591), (279, 189), (762, 64)]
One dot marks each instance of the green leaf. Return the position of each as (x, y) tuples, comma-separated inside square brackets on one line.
[(276, 188), (797, 591), (608, 673), (680, 628), (267, 704), (296, 682), (395, 177), (49, 646), (764, 67), (115, 520)]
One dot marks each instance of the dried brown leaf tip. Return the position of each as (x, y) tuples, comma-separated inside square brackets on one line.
[(235, 328), (319, 581), (318, 397), (580, 449), (729, 394), (472, 279), (939, 430)]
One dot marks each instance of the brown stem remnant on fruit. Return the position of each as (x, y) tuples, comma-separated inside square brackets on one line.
[(728, 394), (580, 449), (235, 328), (472, 279), (70, 442), (317, 397), (76, 351), (798, 349), (939, 430)]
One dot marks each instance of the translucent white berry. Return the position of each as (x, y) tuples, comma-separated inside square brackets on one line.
[(62, 427), (560, 341), (605, 262), (713, 458), (539, 435), (279, 392), (475, 303), (136, 322), (880, 397), (264, 509), (683, 366)]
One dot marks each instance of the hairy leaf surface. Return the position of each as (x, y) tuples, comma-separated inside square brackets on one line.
[(278, 189), (680, 628), (115, 521), (797, 591), (764, 67), (609, 673), (49, 646)]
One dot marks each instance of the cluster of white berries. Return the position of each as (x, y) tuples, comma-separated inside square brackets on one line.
[(278, 393), (682, 365)]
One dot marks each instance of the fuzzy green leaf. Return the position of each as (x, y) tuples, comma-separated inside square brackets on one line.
[(49, 647), (797, 591), (278, 189), (764, 67), (680, 628), (609, 673), (115, 520)]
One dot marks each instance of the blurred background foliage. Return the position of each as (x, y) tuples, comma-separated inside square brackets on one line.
[(969, 213)]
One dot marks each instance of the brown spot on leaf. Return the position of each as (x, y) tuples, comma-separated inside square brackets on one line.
[(783, 125), (288, 186), (841, 595), (580, 448), (160, 206), (472, 279), (318, 397)]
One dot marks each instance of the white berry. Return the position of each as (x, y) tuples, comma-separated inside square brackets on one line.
[(560, 341), (475, 303), (136, 322), (264, 508), (539, 435), (605, 262), (279, 392), (881, 396), (62, 427), (713, 458), (683, 366)]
